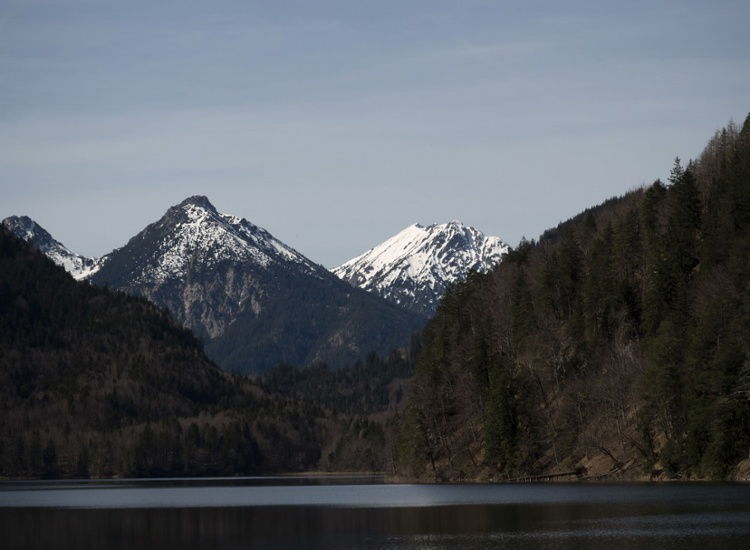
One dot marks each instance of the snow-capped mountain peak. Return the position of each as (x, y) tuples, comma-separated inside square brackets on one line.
[(27, 229), (414, 267), (194, 232)]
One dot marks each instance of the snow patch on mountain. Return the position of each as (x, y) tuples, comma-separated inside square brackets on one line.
[(80, 267), (415, 267)]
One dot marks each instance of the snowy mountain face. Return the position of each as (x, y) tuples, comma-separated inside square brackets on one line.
[(193, 233), (254, 301), (415, 267), (80, 267), (202, 265)]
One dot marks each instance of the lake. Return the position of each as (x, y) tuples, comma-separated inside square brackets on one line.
[(340, 512)]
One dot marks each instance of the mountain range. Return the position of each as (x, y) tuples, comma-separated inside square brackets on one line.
[(256, 302), (614, 347)]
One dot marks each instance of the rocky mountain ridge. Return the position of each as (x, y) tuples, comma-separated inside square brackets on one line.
[(23, 227)]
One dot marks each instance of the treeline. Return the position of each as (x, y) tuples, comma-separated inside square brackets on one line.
[(356, 407), (163, 449), (618, 344), (367, 387), (96, 383)]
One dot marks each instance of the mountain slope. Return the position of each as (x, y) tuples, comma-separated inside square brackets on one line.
[(415, 267), (23, 227), (616, 346), (253, 300), (84, 369)]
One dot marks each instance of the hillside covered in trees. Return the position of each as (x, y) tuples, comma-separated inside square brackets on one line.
[(616, 345), (98, 383)]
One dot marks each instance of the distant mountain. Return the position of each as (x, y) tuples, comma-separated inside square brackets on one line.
[(253, 300), (188, 262), (27, 229), (414, 267)]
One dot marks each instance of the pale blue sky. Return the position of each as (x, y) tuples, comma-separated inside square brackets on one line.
[(336, 124)]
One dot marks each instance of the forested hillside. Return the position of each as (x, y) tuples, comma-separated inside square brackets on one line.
[(94, 381), (616, 345)]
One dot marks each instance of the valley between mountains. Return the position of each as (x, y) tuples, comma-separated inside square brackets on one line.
[(613, 347)]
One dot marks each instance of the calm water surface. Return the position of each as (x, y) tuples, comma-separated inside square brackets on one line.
[(363, 512)]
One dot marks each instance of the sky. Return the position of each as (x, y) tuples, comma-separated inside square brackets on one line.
[(335, 124)]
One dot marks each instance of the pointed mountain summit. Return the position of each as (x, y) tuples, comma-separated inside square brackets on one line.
[(414, 268), (27, 229), (253, 300), (190, 235)]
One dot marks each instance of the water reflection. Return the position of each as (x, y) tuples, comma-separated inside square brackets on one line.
[(569, 516)]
